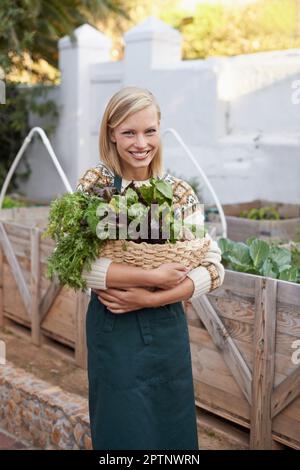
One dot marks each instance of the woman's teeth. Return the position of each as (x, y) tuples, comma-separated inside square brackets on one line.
[(140, 154)]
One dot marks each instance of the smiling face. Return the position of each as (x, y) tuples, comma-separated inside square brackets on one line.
[(137, 140)]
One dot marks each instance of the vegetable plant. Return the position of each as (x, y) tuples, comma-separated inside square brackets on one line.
[(262, 258)]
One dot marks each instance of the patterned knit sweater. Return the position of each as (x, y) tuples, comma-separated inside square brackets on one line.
[(207, 277)]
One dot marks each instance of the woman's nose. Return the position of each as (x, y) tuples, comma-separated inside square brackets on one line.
[(140, 141)]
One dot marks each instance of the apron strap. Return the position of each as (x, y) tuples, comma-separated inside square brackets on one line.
[(142, 318), (118, 182)]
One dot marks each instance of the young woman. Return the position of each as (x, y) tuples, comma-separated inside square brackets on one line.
[(139, 363)]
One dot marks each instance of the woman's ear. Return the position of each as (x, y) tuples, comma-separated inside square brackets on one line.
[(112, 135)]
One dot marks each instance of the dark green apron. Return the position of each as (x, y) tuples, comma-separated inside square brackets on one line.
[(141, 394)]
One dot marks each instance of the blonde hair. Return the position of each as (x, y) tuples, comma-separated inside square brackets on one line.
[(122, 104)]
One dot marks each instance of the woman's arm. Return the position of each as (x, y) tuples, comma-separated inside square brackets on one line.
[(122, 276), (135, 298), (182, 292), (105, 274)]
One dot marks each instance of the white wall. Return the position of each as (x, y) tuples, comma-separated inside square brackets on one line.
[(235, 114)]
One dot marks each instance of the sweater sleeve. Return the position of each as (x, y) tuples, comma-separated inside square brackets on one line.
[(96, 277), (209, 275)]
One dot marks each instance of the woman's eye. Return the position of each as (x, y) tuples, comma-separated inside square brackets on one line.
[(132, 132)]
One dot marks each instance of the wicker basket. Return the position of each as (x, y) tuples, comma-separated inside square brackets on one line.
[(145, 255)]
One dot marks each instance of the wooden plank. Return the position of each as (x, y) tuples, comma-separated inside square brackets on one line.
[(237, 283), (264, 364), (35, 287), (288, 319), (238, 330), (235, 209), (21, 216), (240, 229), (17, 230), (209, 367), (287, 427), (223, 432), (291, 411), (288, 292), (60, 319), (16, 271), (284, 344), (201, 338), (21, 247), (17, 320), (209, 399), (52, 292), (60, 339), (238, 309), (234, 308), (285, 209), (285, 393), (222, 404), (82, 302), (225, 344)]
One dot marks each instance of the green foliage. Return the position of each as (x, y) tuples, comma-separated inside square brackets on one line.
[(9, 203), (74, 224), (76, 243), (216, 30), (35, 26), (261, 258), (262, 213), (297, 237), (14, 126)]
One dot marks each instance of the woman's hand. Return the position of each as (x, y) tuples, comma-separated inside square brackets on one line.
[(125, 300), (169, 275)]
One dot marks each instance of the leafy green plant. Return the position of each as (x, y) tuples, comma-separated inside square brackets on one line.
[(9, 203), (73, 224), (261, 258), (220, 30), (35, 26), (297, 237), (262, 213)]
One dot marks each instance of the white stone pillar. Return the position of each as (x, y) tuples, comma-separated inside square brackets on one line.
[(75, 58), (151, 44)]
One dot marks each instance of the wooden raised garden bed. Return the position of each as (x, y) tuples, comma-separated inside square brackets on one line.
[(243, 336), (239, 228), (27, 297)]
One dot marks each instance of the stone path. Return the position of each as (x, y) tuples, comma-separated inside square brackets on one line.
[(10, 442)]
